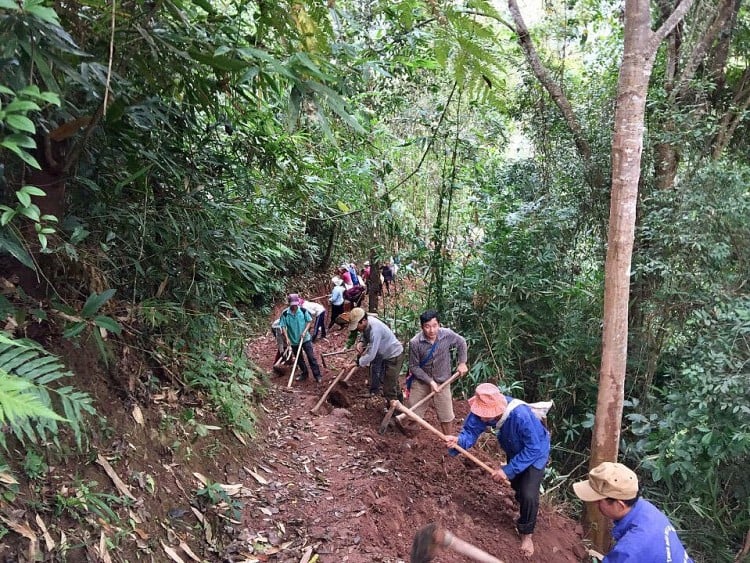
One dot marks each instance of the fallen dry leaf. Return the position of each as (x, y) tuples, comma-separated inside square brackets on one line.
[(24, 530), (138, 415), (256, 476), (172, 553), (102, 550), (239, 437), (48, 541), (121, 486), (7, 479), (186, 548)]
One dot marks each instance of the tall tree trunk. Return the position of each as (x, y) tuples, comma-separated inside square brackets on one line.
[(627, 145), (639, 52), (325, 262), (374, 288)]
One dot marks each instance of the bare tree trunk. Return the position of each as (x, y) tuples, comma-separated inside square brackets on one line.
[(627, 145), (374, 288), (641, 44), (325, 262)]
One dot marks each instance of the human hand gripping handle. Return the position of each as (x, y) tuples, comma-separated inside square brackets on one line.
[(498, 475), (419, 420)]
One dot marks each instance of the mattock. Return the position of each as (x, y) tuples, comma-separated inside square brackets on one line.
[(419, 420), (431, 537), (314, 410)]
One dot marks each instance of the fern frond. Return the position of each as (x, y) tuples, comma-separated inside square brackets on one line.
[(14, 403), (26, 400)]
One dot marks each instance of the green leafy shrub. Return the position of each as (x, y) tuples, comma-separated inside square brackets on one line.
[(231, 384), (701, 426)]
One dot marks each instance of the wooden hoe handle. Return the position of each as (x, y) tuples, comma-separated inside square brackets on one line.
[(445, 539), (296, 358), (419, 420), (442, 386)]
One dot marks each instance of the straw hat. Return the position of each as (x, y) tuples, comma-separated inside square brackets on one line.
[(488, 401)]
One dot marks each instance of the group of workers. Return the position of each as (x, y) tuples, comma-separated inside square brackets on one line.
[(642, 532), (303, 321)]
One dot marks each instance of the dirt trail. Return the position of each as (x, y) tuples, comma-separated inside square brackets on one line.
[(325, 488), (339, 490)]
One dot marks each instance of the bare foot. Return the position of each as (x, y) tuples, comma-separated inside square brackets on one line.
[(527, 546)]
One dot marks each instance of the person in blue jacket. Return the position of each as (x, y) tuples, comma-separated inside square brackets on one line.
[(525, 441), (643, 532)]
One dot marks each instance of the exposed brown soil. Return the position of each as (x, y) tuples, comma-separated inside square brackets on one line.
[(350, 494), (323, 487)]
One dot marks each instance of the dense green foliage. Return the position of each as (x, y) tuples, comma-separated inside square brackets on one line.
[(197, 156)]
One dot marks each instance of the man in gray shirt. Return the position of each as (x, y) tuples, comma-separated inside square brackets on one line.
[(430, 365), (377, 341)]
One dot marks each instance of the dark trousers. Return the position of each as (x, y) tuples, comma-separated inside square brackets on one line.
[(387, 283), (526, 485), (336, 310), (391, 388), (377, 375), (320, 325), (307, 348)]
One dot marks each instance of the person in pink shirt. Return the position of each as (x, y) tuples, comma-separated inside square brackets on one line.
[(346, 276)]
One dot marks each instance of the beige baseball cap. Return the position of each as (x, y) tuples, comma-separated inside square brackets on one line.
[(608, 480), (355, 315)]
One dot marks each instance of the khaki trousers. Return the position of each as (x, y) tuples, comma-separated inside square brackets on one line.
[(443, 401)]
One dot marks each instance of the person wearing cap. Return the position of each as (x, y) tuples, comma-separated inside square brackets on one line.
[(336, 299), (295, 325), (377, 343), (318, 314), (526, 443), (430, 365), (643, 532)]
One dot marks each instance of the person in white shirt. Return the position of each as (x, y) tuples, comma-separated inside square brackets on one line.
[(318, 314)]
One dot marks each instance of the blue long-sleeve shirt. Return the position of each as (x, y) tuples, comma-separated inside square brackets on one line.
[(522, 437), (645, 535)]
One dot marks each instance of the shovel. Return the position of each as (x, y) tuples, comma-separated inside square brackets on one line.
[(330, 388), (296, 358), (422, 422), (431, 537), (387, 418)]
